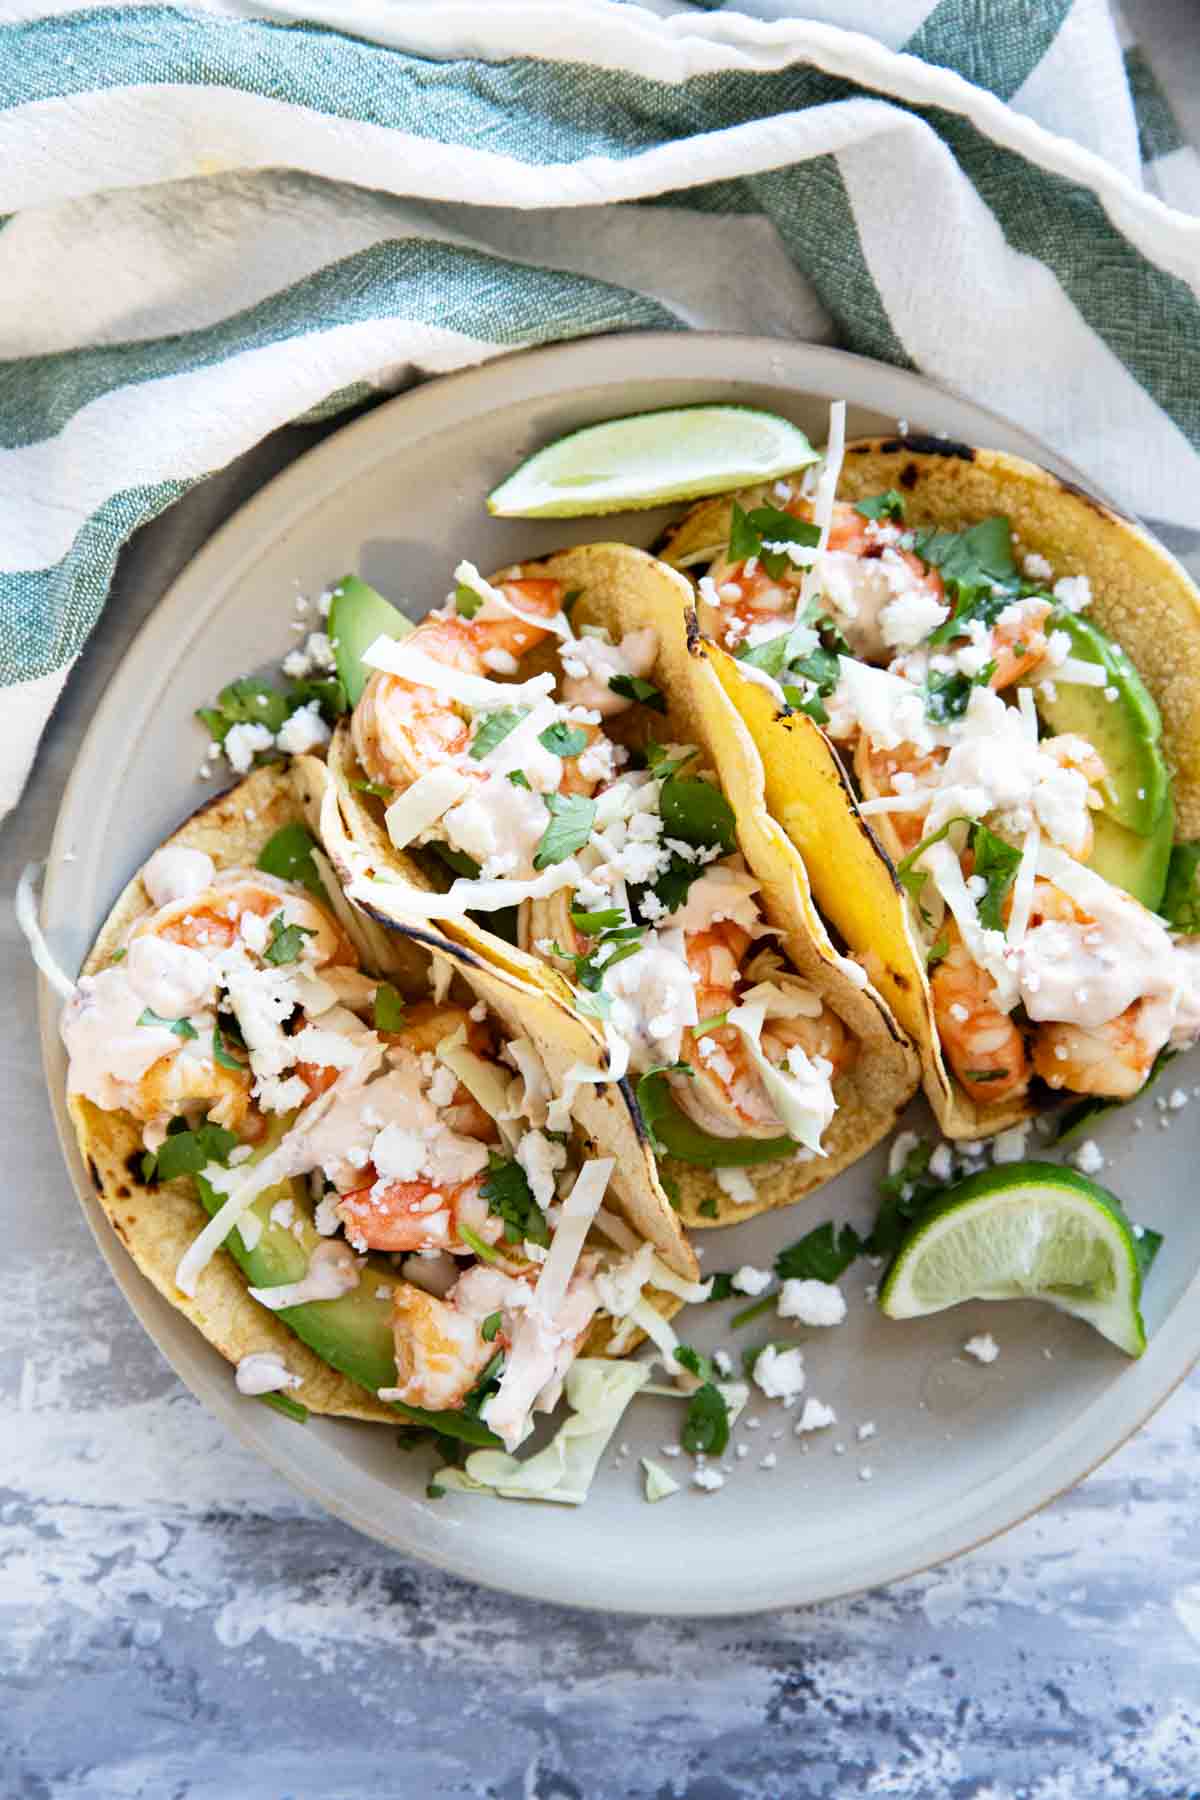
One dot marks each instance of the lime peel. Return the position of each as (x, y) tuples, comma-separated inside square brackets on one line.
[(650, 459), (1029, 1230)]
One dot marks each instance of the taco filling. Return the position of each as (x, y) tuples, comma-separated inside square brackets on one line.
[(1004, 749), (379, 1161), (563, 794)]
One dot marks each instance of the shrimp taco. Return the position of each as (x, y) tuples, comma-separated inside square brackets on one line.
[(555, 737), (1010, 671), (343, 1153)]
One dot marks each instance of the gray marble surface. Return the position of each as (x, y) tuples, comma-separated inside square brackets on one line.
[(177, 1622)]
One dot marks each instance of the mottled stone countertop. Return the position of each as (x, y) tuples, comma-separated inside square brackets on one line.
[(177, 1622)]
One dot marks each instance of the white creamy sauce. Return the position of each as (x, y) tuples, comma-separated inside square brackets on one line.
[(170, 979), (332, 1272), (108, 1051), (264, 1372), (176, 873), (541, 1351)]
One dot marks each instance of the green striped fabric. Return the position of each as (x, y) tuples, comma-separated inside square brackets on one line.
[(212, 223)]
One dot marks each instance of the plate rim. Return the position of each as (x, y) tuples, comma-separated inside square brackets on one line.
[(524, 377)]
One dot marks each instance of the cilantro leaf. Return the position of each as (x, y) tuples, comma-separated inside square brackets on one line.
[(697, 813), (183, 1028), (636, 687), (820, 1255), (748, 532), (997, 862), (247, 701), (379, 789), (493, 728), (466, 601), (661, 765), (510, 1197), (1180, 904), (947, 696), (562, 739), (981, 555), (591, 922), (221, 1054), (777, 653), (490, 1327), (484, 1388), (888, 505), (722, 1287), (904, 1196), (520, 779), (695, 1362), (571, 819), (328, 692), (938, 951), (389, 1008), (287, 941), (706, 1423), (186, 1152), (289, 855), (708, 1208)]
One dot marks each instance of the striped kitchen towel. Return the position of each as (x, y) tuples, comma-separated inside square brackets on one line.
[(218, 217)]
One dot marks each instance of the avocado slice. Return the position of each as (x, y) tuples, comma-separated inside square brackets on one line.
[(352, 1334), (674, 1134), (1137, 864), (358, 614), (1126, 732)]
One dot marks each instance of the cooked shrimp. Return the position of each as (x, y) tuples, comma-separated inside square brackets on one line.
[(440, 1350), (1113, 1059), (983, 1046), (1019, 644), (212, 921), (726, 1094), (194, 1085), (416, 1215), (401, 730), (876, 771), (427, 1023)]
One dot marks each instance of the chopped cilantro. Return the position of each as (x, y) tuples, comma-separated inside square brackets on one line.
[(493, 728), (698, 813), (288, 854), (694, 1362), (389, 1008), (775, 654), (1180, 905), (510, 1198), (571, 820), (947, 696), (904, 1196), (997, 862), (326, 690), (708, 1208), (186, 1152), (820, 1255), (182, 1028), (706, 1423), (379, 789), (636, 687), (722, 1287), (221, 1054), (118, 956), (457, 860), (661, 766), (590, 968), (247, 701), (484, 1388), (670, 1188), (466, 601), (562, 739), (287, 941), (938, 951), (490, 1327), (888, 505), (520, 779), (591, 922), (749, 531), (978, 570)]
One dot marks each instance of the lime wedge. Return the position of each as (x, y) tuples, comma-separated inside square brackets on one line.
[(1025, 1231), (649, 459)]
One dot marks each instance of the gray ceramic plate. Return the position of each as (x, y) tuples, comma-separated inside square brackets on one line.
[(959, 1451)]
